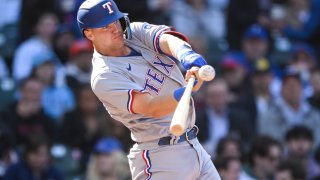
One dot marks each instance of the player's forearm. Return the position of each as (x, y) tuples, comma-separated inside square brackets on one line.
[(182, 51), (162, 106), (169, 44), (154, 106)]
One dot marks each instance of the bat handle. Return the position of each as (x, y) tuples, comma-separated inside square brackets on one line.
[(190, 84), (179, 119)]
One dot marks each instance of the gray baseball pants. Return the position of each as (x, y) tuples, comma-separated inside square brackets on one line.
[(180, 161)]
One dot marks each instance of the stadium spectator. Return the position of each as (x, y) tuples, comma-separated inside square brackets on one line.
[(261, 79), (152, 11), (299, 143), (7, 85), (229, 147), (30, 12), (234, 73), (310, 25), (242, 14), (68, 160), (280, 44), (26, 116), (255, 45), (8, 156), (10, 12), (38, 44), (303, 58), (78, 69), (119, 131), (68, 13), (245, 83), (257, 100), (296, 13), (108, 161), (290, 170), (194, 19), (290, 109), (35, 161), (218, 119), (229, 168), (264, 157), (314, 100), (9, 33), (82, 127), (62, 41), (56, 99)]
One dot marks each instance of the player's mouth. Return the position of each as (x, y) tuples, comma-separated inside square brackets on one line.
[(118, 36)]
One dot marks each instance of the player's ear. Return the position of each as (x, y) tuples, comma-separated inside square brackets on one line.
[(88, 34)]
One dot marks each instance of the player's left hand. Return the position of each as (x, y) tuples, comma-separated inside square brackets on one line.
[(194, 71), (191, 59)]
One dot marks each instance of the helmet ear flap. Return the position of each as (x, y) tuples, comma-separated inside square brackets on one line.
[(125, 23)]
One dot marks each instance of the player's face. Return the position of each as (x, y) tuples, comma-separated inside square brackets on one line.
[(114, 30), (110, 36)]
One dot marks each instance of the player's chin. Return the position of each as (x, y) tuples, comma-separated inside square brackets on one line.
[(118, 40)]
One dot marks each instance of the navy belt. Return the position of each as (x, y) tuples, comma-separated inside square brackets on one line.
[(187, 136)]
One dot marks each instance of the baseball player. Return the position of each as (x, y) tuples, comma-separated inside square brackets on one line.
[(137, 80)]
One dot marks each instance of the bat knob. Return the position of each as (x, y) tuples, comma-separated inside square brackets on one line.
[(177, 130)]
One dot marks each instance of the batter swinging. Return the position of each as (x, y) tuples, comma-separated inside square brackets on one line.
[(137, 80)]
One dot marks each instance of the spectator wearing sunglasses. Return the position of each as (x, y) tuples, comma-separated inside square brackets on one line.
[(264, 157)]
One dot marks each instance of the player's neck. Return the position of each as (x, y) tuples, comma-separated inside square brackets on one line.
[(123, 51)]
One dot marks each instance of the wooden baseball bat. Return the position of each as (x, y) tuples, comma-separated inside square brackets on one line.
[(180, 116), (178, 123)]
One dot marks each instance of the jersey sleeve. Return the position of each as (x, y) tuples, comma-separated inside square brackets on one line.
[(149, 34), (115, 91)]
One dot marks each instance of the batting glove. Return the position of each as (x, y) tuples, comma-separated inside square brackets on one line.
[(188, 58), (177, 94)]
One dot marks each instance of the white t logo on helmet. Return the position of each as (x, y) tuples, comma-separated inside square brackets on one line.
[(108, 5)]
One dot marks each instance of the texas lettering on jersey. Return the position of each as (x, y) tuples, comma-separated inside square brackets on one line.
[(153, 80)]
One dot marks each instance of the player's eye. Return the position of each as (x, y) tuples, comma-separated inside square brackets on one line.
[(107, 27)]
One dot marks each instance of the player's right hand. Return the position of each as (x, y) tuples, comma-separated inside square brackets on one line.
[(194, 71), (191, 58)]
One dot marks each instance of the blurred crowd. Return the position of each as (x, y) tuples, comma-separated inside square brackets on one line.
[(258, 119)]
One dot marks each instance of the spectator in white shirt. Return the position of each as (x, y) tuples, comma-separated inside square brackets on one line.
[(290, 110), (40, 43)]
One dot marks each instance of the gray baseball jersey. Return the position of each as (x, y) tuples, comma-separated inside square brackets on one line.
[(147, 70)]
